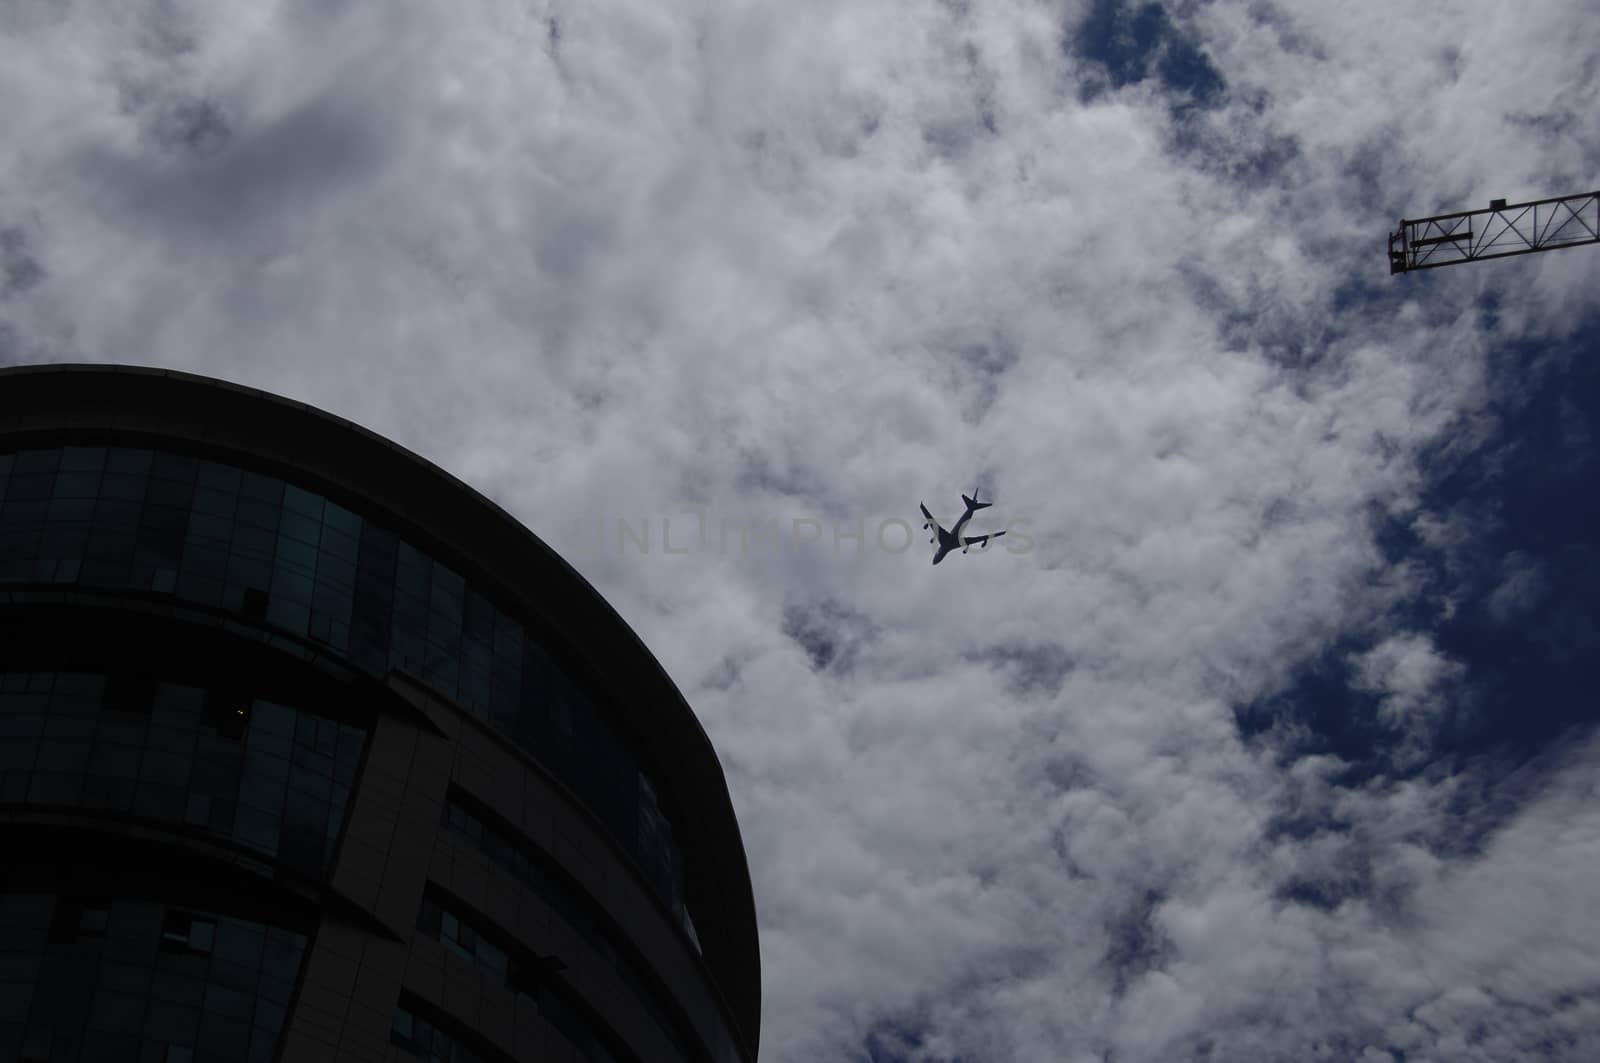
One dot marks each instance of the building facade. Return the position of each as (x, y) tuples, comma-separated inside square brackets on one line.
[(310, 752)]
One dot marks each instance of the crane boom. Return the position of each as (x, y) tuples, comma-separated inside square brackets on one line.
[(1499, 232)]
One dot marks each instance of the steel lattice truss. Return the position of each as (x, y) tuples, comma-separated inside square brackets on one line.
[(1500, 231)]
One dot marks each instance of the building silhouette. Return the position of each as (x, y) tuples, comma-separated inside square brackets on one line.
[(310, 752)]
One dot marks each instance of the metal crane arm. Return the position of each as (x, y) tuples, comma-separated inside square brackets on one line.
[(1499, 232)]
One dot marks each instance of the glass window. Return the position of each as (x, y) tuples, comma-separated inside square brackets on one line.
[(214, 503), (296, 556), (259, 830), (202, 933), (299, 527), (162, 526), (77, 484), (155, 801), (349, 748), (217, 476), (167, 503), (336, 577), (208, 529), (178, 988), (447, 595), (269, 718), (332, 599), (223, 1036), (36, 461), (281, 958), (292, 585), (260, 791), (165, 766), (341, 520), (92, 459), (38, 1044), (120, 517), (120, 487), (218, 535), (165, 1020), (338, 544), (269, 1014), (412, 572), (76, 511), (115, 761), (258, 544), (26, 488), (299, 500), (117, 1012), (228, 1002), (128, 460), (260, 488), (70, 756), (177, 468), (492, 959)]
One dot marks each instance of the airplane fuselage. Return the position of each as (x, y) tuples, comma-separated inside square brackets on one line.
[(950, 540)]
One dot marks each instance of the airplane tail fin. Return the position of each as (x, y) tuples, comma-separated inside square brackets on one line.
[(973, 503)]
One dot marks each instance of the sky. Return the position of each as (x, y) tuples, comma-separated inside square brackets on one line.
[(1266, 734)]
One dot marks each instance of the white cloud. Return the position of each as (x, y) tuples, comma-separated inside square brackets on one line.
[(1413, 681), (617, 260)]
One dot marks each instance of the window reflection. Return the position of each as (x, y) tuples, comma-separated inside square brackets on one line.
[(543, 877), (433, 1038), (124, 979), (494, 952), (220, 536), (273, 777)]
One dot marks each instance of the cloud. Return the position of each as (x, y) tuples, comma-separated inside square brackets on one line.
[(1412, 681), (1118, 265), (1520, 588)]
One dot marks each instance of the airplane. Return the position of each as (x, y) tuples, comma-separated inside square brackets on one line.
[(949, 540)]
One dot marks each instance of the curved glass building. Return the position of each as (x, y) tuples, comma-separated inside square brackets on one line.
[(310, 752)]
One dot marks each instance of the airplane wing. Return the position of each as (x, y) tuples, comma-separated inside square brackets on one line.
[(928, 517), (980, 541)]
